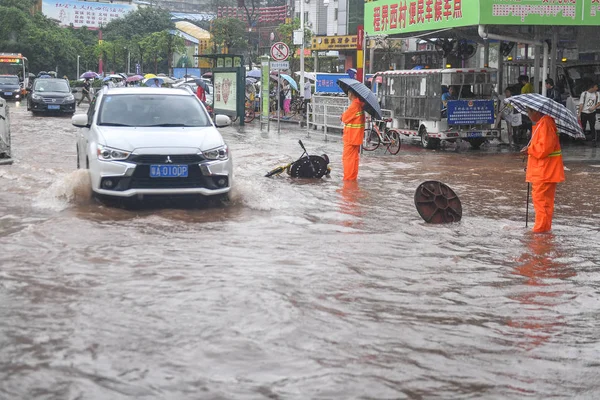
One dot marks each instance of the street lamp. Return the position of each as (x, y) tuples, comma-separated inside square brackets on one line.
[(78, 67)]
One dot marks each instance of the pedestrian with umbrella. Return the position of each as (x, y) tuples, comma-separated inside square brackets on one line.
[(85, 91), (544, 163), (362, 99), (202, 89)]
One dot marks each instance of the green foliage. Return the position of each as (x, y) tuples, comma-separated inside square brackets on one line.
[(286, 33), (141, 22), (229, 34)]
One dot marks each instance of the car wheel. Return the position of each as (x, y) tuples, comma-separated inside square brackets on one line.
[(426, 141)]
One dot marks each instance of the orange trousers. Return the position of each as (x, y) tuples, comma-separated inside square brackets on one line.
[(543, 203), (350, 157)]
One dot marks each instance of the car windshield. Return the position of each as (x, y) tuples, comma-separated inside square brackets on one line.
[(152, 110), (580, 77), (9, 80), (51, 86)]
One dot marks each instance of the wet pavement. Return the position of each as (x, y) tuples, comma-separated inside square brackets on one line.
[(297, 289)]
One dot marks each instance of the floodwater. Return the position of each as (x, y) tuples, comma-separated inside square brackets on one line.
[(297, 289)]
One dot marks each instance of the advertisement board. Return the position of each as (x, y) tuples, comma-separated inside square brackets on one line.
[(535, 12), (225, 96), (83, 13), (405, 16), (264, 88), (470, 112), (401, 16), (327, 83)]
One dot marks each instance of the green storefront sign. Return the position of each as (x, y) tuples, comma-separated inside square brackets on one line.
[(540, 12), (406, 16)]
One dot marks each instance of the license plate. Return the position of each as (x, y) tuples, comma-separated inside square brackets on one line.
[(53, 107), (8, 93), (168, 171), (474, 134)]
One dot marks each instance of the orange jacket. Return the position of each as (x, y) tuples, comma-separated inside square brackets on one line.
[(354, 123), (545, 163)]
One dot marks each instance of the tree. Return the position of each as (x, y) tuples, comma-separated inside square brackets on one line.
[(143, 21), (229, 34), (286, 33), (170, 44)]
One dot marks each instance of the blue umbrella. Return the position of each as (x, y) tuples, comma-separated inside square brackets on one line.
[(150, 81), (255, 73), (363, 92), (290, 80)]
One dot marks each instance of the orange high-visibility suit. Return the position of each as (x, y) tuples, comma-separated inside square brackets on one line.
[(544, 170), (354, 132)]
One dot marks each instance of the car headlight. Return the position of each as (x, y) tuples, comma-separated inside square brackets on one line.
[(36, 97), (70, 98), (109, 154), (219, 153)]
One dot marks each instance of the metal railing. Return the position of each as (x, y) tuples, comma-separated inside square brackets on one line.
[(324, 113)]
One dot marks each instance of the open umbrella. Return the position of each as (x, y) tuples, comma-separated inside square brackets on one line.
[(565, 119), (207, 75), (202, 83), (363, 92), (135, 78), (287, 78), (89, 75), (150, 81), (255, 73), (149, 76), (307, 75)]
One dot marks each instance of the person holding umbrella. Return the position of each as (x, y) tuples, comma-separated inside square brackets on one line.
[(354, 131), (544, 168), (85, 90)]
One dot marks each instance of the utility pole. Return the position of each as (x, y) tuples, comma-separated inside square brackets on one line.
[(302, 47)]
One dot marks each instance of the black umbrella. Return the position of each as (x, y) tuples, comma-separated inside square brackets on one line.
[(202, 83), (364, 93)]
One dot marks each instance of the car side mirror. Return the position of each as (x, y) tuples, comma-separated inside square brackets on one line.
[(222, 121), (80, 121)]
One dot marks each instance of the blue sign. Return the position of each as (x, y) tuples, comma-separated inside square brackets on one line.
[(327, 83), (470, 112)]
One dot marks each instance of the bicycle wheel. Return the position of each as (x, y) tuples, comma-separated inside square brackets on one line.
[(393, 139), (249, 115), (276, 171), (372, 140)]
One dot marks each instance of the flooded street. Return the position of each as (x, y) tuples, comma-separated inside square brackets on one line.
[(297, 289)]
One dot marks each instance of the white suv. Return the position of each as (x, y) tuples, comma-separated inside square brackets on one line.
[(153, 141)]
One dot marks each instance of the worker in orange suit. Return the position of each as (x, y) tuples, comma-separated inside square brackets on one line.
[(354, 131), (544, 168)]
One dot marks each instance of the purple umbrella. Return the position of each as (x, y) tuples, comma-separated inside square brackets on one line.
[(135, 78), (90, 75)]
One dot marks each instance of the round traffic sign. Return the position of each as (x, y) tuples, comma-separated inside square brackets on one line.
[(280, 51)]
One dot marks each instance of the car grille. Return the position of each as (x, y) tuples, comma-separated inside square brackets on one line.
[(162, 159), (51, 101), (141, 180)]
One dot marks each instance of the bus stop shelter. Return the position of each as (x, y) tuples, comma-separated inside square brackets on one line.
[(534, 22)]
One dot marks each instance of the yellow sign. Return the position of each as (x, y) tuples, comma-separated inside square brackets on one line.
[(334, 42)]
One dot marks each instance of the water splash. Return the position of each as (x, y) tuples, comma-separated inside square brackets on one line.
[(72, 188)]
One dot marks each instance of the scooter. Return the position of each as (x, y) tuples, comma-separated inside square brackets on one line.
[(306, 166)]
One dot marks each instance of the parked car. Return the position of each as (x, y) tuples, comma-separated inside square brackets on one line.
[(10, 87), (153, 141), (51, 95)]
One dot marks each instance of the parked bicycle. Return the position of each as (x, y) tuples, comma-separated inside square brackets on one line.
[(377, 133)]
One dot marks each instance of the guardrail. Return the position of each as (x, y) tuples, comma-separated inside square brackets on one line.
[(5, 156)]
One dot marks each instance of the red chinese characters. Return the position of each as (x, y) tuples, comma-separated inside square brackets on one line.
[(402, 14), (385, 19), (429, 10), (377, 19), (447, 9), (437, 10), (458, 9), (420, 12), (393, 16), (412, 12)]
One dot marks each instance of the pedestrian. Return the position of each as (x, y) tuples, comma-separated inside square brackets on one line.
[(156, 83), (201, 94), (526, 86), (552, 92), (544, 168), (85, 90), (307, 95), (510, 115), (354, 131), (588, 104), (287, 100)]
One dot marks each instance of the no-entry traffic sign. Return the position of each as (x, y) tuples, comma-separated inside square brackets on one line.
[(280, 51)]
